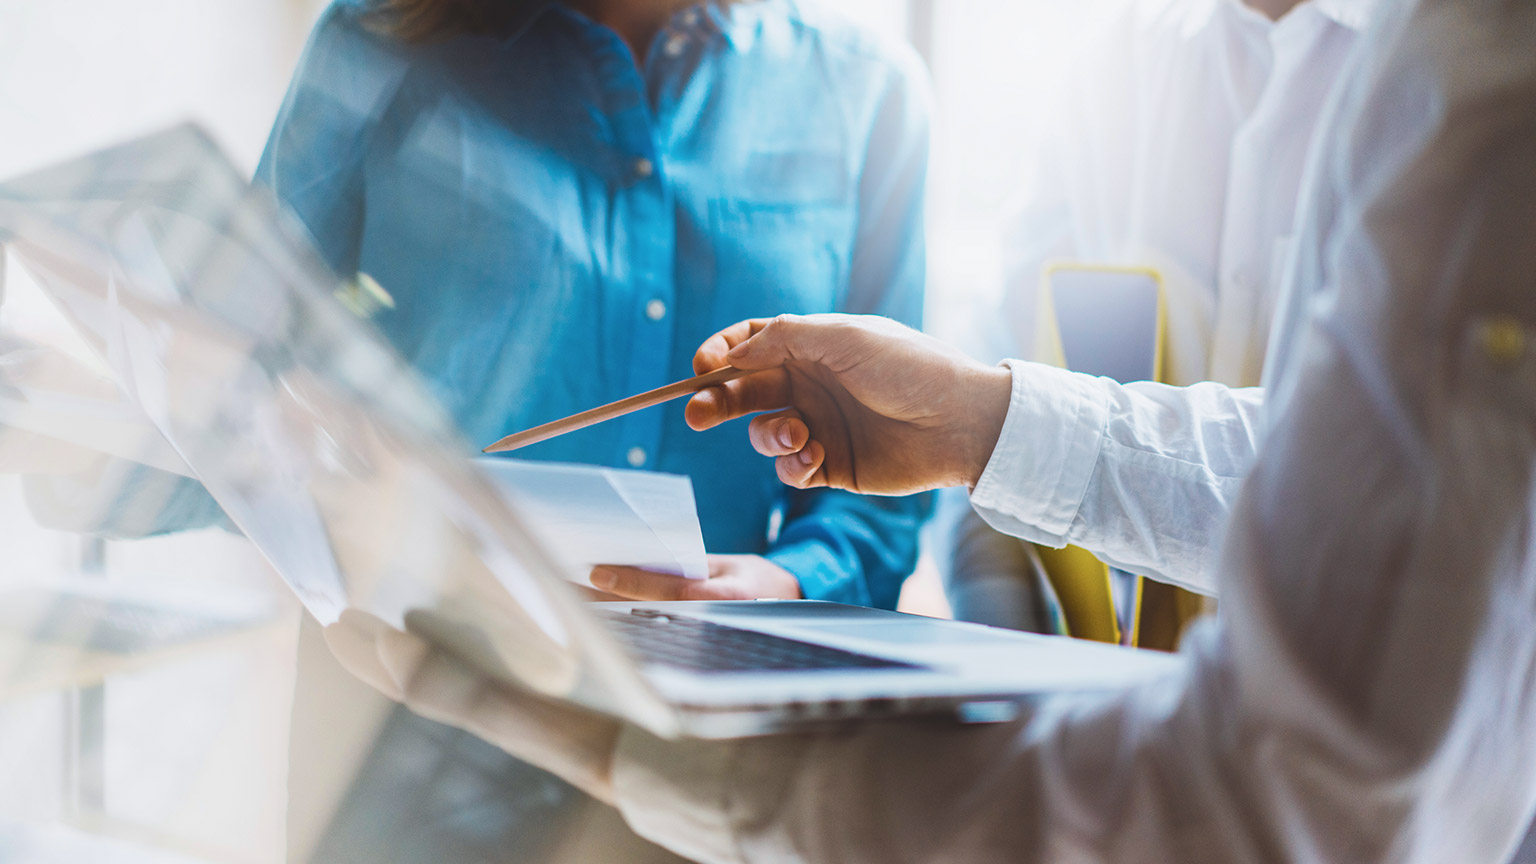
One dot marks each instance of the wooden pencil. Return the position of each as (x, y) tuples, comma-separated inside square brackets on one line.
[(629, 405)]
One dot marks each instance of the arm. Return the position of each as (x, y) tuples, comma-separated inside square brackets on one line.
[(1143, 475), (1366, 694), (852, 548), (313, 162)]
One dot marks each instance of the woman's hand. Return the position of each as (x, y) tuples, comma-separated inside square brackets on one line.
[(731, 577), (860, 402)]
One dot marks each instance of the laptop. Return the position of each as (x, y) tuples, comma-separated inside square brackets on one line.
[(250, 357)]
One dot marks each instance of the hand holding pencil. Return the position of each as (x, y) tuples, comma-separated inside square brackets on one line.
[(859, 402)]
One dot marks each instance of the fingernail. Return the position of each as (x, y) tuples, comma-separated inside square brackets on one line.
[(805, 457), (786, 436), (602, 579)]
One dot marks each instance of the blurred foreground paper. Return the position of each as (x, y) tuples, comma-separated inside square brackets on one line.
[(204, 309), (215, 318), (43, 393), (592, 516)]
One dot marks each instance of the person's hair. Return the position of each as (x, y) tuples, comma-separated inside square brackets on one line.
[(425, 20)]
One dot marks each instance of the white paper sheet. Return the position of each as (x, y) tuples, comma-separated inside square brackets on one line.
[(48, 394), (590, 516)]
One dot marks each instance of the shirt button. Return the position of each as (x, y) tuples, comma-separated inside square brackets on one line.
[(674, 45), (644, 167), (636, 457), (1504, 341), (656, 310)]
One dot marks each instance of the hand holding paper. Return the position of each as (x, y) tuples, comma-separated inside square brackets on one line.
[(731, 577)]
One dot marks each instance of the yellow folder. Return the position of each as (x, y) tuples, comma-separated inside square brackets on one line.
[(1107, 320)]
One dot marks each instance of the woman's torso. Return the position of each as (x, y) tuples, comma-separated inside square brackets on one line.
[(558, 228)]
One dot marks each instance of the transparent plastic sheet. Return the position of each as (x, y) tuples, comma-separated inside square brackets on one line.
[(220, 386)]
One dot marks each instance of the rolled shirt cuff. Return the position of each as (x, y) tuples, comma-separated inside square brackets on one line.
[(1035, 482)]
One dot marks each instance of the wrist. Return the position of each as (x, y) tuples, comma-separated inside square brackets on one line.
[(990, 393), (778, 582)]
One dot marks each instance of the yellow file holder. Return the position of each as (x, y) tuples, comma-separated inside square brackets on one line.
[(1081, 581)]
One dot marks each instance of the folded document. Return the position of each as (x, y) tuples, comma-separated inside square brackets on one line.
[(588, 516)]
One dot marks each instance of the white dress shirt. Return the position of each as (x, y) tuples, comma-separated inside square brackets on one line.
[(1179, 144), (1369, 692)]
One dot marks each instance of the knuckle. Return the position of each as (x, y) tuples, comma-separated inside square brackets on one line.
[(786, 321)]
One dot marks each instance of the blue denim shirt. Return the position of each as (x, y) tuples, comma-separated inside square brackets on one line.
[(558, 228)]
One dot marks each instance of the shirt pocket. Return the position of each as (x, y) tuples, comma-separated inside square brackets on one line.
[(782, 235)]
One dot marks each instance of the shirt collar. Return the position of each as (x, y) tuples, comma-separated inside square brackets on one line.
[(727, 19), (1354, 14), (733, 21), (527, 12), (1351, 14)]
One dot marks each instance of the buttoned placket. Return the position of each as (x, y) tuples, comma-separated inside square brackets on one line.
[(1244, 262), (642, 242), (643, 294)]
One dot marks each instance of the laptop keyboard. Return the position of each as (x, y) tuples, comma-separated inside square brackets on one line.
[(696, 645)]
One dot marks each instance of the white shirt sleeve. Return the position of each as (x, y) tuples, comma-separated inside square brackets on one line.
[(1367, 694), (1142, 475)]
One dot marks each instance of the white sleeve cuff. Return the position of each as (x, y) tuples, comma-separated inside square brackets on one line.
[(1034, 484)]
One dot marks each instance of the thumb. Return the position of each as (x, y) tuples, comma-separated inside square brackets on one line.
[(354, 641), (402, 655)]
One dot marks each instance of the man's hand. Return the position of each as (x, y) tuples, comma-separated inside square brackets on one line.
[(860, 402), (571, 742), (731, 577)]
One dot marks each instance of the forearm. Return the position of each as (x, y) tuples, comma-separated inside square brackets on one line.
[(919, 791), (850, 548), (1142, 475)]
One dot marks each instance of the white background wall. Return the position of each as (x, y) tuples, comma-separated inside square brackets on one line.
[(78, 74)]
